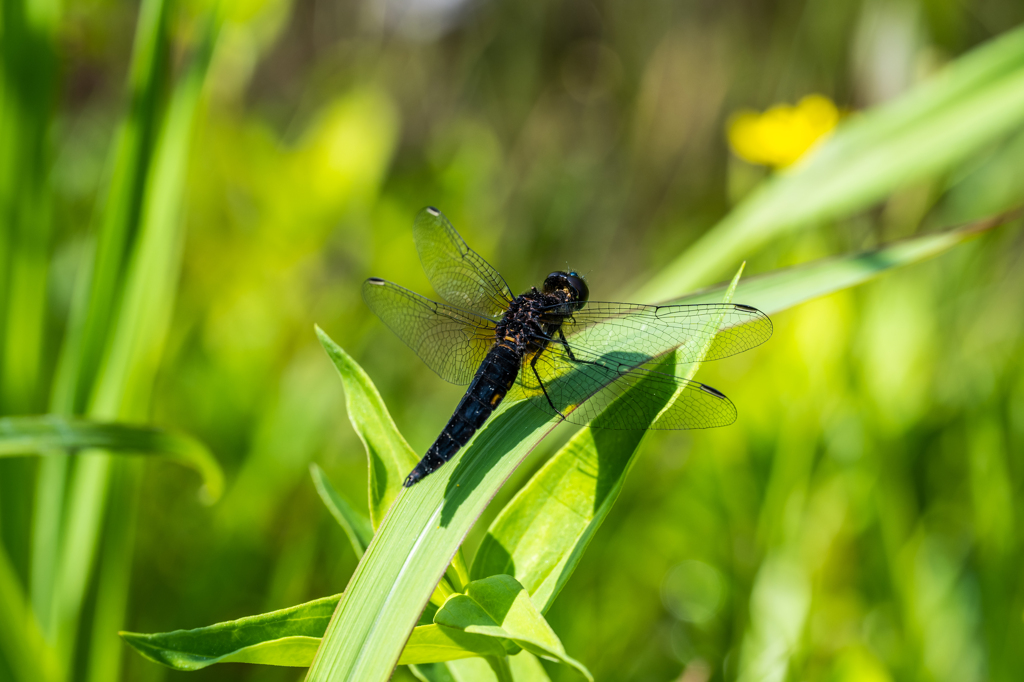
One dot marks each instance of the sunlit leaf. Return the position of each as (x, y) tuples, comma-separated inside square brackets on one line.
[(499, 607)]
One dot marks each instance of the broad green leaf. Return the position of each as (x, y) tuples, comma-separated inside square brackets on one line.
[(47, 434), (390, 457), (973, 101), (540, 536), (356, 526), (411, 549), (290, 637), (500, 607)]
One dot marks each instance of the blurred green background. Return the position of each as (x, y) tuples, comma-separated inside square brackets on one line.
[(242, 168)]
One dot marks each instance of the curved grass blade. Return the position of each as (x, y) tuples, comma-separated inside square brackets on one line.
[(411, 549), (356, 526), (975, 100), (290, 637), (540, 536), (500, 607), (50, 433)]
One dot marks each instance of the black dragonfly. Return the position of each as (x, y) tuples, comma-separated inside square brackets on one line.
[(571, 356)]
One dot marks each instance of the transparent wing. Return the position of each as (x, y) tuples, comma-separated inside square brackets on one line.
[(723, 329), (581, 385), (458, 274), (453, 342)]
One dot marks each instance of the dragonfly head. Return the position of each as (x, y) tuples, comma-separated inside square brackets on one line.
[(571, 283)]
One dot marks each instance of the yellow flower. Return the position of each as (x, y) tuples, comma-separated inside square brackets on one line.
[(784, 133)]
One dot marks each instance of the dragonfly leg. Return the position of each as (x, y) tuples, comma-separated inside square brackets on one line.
[(568, 351), (533, 366)]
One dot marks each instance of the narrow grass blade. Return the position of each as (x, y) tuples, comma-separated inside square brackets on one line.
[(500, 607), (356, 526), (21, 640), (975, 100), (784, 289), (50, 433), (540, 536), (130, 362), (390, 457), (59, 578)]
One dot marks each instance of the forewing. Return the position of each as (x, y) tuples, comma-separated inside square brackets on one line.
[(581, 389), (458, 274), (453, 342), (648, 330)]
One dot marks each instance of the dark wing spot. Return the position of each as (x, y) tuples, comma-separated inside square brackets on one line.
[(375, 280), (712, 391), (748, 308), (433, 211)]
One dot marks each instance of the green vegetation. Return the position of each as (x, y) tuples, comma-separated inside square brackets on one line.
[(186, 190)]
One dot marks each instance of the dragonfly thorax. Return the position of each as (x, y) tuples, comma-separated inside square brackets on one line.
[(531, 318)]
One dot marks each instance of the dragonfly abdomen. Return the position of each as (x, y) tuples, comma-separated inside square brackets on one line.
[(494, 378)]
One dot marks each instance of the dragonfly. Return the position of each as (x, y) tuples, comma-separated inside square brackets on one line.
[(570, 357)]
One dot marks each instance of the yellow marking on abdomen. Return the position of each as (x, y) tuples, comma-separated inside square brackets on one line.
[(497, 398)]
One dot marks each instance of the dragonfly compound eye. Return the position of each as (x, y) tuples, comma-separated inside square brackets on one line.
[(570, 281)]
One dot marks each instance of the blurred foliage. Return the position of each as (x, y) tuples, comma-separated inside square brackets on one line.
[(858, 522)]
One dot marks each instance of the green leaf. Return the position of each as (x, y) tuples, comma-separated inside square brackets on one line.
[(429, 521), (975, 100), (500, 607), (356, 526), (540, 536), (48, 434), (290, 637), (390, 457)]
